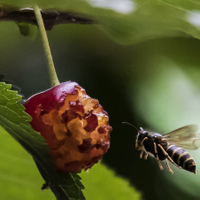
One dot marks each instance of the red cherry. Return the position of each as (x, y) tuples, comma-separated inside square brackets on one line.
[(74, 125)]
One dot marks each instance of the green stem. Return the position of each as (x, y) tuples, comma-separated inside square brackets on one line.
[(52, 71)]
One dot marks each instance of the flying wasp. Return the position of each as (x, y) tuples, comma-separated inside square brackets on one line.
[(170, 146)]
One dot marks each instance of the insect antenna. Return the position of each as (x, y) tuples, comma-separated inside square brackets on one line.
[(130, 125)]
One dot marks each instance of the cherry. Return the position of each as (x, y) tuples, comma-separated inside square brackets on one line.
[(74, 125)]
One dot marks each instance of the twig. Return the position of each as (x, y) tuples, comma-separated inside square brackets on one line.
[(50, 17)]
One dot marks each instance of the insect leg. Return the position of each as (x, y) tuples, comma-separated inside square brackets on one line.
[(168, 157), (145, 153), (158, 160), (143, 149), (146, 138), (141, 154), (168, 167)]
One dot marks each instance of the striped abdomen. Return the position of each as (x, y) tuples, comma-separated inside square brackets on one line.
[(181, 158)]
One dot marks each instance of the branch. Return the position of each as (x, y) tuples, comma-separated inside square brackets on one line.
[(50, 17)]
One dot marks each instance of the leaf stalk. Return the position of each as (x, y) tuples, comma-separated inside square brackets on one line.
[(52, 72)]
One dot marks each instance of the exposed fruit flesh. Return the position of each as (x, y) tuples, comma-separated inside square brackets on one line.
[(74, 125)]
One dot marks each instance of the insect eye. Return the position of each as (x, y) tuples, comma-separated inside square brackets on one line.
[(157, 135), (140, 137)]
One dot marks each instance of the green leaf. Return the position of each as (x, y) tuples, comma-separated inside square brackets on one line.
[(15, 121), (130, 21), (19, 175), (102, 183)]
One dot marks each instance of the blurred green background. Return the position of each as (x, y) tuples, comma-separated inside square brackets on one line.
[(153, 83)]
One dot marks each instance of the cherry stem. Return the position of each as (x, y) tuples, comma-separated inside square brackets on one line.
[(52, 71)]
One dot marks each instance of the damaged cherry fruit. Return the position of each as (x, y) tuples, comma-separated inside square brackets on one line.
[(74, 125)]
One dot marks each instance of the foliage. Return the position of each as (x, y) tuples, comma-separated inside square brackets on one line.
[(131, 21)]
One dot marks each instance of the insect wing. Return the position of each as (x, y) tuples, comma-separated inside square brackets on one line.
[(184, 132), (184, 137)]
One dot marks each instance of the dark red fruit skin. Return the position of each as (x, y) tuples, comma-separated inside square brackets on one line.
[(74, 125)]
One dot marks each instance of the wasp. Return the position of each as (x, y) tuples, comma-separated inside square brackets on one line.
[(170, 146)]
